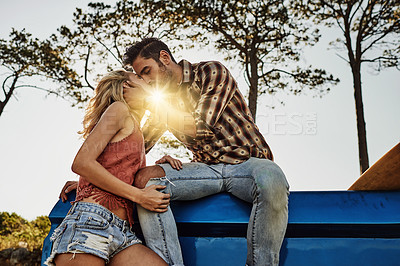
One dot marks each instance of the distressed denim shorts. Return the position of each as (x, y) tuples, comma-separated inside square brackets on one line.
[(91, 228)]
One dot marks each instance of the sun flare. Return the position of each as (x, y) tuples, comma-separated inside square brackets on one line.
[(156, 97)]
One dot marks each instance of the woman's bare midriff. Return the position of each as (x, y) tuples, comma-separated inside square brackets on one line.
[(120, 212)]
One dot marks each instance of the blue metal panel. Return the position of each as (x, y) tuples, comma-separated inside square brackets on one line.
[(56, 216), (352, 207), (340, 251), (309, 211), (210, 251), (304, 207), (219, 208), (315, 207), (201, 251)]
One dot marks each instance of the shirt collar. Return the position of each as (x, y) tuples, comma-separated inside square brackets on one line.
[(187, 72)]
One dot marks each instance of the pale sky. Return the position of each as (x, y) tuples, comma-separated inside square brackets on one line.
[(314, 140)]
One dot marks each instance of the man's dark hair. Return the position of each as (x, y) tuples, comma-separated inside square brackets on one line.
[(146, 48)]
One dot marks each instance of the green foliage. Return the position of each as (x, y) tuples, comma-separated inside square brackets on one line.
[(266, 37), (96, 41), (261, 35), (370, 29), (23, 57), (15, 230)]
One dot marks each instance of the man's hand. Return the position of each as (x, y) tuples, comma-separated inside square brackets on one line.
[(175, 163), (68, 187)]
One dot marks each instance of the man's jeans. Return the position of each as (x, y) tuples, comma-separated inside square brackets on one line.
[(259, 181)]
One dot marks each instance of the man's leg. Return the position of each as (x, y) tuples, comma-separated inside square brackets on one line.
[(263, 183), (195, 180)]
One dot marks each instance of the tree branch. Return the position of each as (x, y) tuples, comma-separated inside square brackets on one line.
[(4, 83), (379, 58), (108, 49), (40, 88), (86, 68), (339, 13), (9, 93), (215, 27), (341, 57), (115, 34), (356, 10), (384, 34), (365, 19)]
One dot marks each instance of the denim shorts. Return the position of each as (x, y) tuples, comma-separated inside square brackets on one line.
[(91, 228)]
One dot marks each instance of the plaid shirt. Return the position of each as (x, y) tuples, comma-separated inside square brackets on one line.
[(225, 129)]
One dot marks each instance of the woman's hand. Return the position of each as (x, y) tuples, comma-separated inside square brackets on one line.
[(68, 187), (175, 163), (153, 200)]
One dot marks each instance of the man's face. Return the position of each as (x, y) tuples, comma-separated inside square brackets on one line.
[(151, 72), (135, 91)]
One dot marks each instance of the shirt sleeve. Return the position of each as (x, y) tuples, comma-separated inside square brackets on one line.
[(152, 131), (217, 89)]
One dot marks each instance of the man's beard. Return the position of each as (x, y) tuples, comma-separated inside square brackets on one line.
[(166, 81)]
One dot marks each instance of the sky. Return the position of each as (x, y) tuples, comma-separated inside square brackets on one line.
[(314, 140)]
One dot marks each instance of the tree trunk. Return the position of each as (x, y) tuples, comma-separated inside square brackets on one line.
[(361, 131), (253, 95), (2, 105), (355, 64), (8, 94), (253, 90)]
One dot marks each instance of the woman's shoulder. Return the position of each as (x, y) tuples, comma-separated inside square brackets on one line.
[(117, 108), (116, 111)]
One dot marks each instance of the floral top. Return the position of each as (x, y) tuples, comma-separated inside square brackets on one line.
[(122, 159)]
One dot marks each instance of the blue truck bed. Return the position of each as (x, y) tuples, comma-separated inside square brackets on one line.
[(325, 228)]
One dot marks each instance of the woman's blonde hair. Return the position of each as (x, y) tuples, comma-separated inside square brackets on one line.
[(109, 90)]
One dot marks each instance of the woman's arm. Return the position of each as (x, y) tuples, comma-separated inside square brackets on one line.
[(114, 120)]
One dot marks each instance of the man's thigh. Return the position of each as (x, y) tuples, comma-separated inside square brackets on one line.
[(193, 181), (244, 179)]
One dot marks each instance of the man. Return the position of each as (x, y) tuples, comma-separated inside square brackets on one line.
[(208, 114)]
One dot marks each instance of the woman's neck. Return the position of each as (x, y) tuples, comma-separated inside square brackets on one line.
[(138, 114)]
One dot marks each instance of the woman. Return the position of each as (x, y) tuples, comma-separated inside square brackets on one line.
[(97, 229)]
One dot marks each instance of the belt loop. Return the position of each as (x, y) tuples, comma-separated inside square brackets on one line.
[(123, 226), (112, 218), (71, 210)]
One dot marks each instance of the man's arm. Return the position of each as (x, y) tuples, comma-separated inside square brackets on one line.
[(217, 89), (68, 187), (152, 130), (164, 116), (181, 121)]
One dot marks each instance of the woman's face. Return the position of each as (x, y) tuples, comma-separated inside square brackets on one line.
[(136, 91)]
